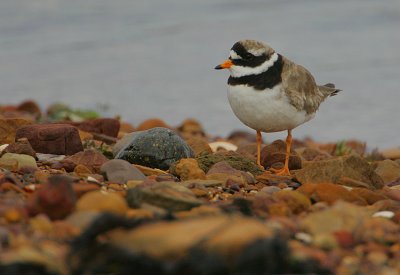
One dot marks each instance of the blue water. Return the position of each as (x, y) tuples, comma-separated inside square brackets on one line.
[(155, 58)]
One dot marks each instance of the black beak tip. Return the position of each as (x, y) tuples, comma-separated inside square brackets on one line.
[(218, 67)]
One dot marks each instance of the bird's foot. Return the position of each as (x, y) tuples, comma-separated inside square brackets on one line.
[(260, 166), (281, 172)]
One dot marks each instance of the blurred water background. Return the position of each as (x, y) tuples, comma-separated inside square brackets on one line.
[(155, 58)]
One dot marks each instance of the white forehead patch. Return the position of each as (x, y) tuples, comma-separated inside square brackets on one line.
[(234, 55)]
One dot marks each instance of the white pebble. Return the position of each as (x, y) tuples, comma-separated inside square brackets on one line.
[(215, 146), (2, 147), (384, 214), (304, 237)]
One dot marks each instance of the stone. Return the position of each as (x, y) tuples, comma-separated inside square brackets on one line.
[(199, 145), (22, 161), (123, 142), (270, 189), (391, 153), (240, 137), (334, 170), (273, 155), (325, 241), (31, 107), (388, 170), (104, 126), (393, 194), (384, 214), (225, 235), (121, 171), (82, 171), (265, 205), (168, 195), (377, 229), (296, 201), (369, 196), (9, 164), (91, 158), (82, 219), (330, 193), (102, 202), (125, 127), (155, 148), (249, 150), (56, 198), (191, 128), (147, 171), (152, 123), (21, 146), (187, 169), (217, 146), (386, 205), (8, 128), (342, 216), (41, 176), (59, 139), (222, 171), (234, 159), (81, 188), (200, 211), (313, 154), (201, 183)]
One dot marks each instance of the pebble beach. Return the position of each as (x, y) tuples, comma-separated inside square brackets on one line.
[(86, 194)]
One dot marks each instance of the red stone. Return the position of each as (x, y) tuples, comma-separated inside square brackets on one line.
[(56, 198), (105, 126), (58, 139)]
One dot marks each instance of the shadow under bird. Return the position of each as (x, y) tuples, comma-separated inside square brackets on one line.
[(269, 93)]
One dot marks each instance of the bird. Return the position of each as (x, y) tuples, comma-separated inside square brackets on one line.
[(270, 93)]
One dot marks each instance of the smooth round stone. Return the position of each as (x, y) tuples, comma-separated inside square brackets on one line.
[(121, 171), (156, 148)]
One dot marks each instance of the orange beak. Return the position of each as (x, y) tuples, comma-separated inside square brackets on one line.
[(225, 65)]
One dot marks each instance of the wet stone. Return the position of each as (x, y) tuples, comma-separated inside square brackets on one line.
[(155, 148)]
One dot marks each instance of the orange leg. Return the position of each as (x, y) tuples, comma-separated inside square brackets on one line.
[(285, 170), (259, 141)]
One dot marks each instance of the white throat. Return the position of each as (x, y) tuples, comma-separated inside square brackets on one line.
[(239, 71)]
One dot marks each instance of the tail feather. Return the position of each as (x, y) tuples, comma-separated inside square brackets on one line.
[(329, 89)]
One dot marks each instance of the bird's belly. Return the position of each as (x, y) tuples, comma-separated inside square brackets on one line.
[(267, 111)]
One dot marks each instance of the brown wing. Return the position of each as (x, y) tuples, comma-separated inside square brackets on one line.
[(300, 87)]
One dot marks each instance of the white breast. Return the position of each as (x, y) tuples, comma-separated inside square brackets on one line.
[(267, 111)]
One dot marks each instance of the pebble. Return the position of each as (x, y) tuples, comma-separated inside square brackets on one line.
[(222, 145), (121, 171), (167, 195), (18, 162), (102, 202), (55, 198), (384, 214), (155, 148), (334, 170), (9, 128)]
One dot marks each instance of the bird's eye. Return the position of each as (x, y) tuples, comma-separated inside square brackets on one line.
[(248, 56)]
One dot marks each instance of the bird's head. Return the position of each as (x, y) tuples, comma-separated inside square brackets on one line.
[(249, 57)]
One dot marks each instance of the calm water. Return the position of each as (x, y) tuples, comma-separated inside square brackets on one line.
[(155, 58)]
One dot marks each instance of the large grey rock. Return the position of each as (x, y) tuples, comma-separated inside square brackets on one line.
[(156, 148)]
